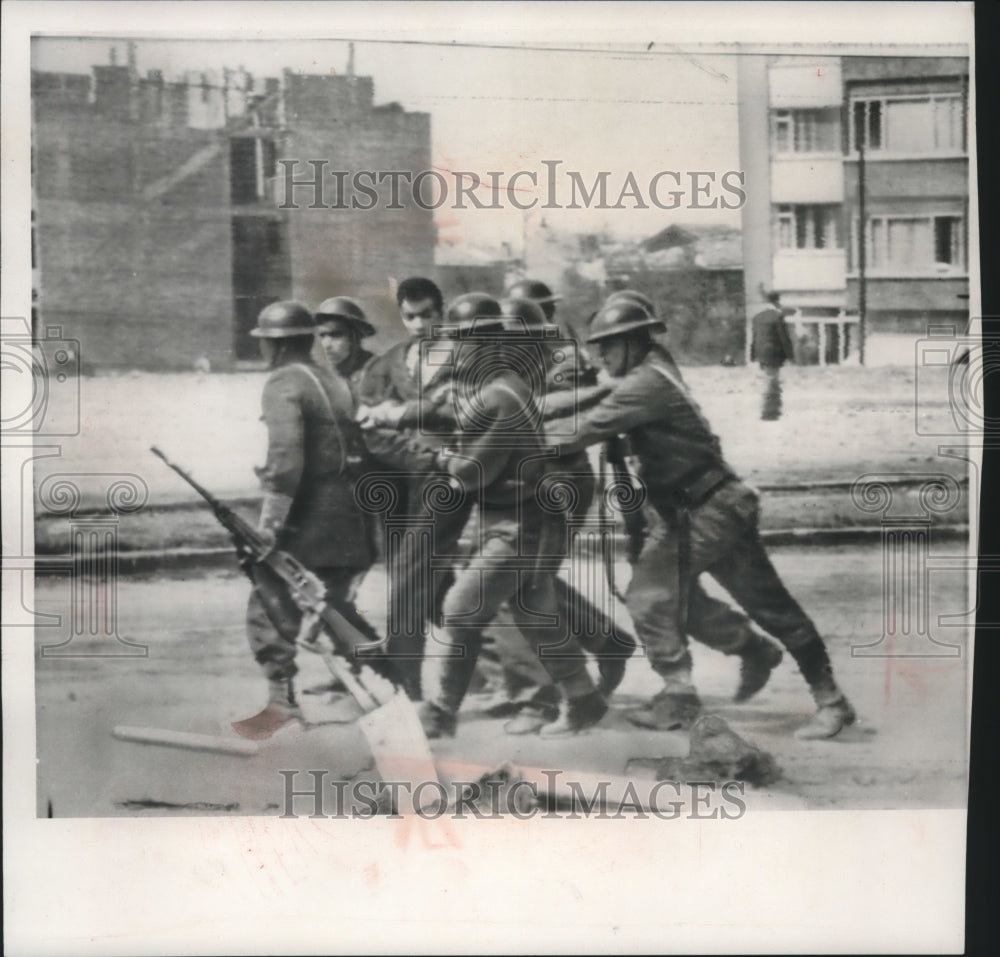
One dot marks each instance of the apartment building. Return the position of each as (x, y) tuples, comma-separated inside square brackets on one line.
[(830, 142)]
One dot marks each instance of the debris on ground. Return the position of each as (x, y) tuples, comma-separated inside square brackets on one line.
[(718, 753)]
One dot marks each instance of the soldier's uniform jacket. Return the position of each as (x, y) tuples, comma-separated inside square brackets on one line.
[(501, 456), (387, 378), (772, 345), (315, 453), (680, 459), (352, 370)]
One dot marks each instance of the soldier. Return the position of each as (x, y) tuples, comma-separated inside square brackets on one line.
[(689, 484), (500, 460), (314, 455), (565, 371), (342, 327), (712, 622), (772, 348), (404, 374)]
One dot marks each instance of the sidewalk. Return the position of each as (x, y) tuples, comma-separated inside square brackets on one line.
[(840, 423)]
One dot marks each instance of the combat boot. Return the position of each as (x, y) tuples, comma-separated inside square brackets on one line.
[(758, 658), (676, 706), (576, 714), (531, 718), (834, 711), (280, 711), (670, 710), (829, 720)]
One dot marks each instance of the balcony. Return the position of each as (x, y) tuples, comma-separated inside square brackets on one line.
[(807, 178), (803, 270)]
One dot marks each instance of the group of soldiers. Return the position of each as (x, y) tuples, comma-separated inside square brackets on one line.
[(479, 423)]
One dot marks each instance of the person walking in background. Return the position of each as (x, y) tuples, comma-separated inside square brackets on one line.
[(771, 348)]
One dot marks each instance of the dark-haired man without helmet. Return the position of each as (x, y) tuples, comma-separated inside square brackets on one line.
[(683, 470), (499, 458), (403, 374), (314, 455), (342, 325)]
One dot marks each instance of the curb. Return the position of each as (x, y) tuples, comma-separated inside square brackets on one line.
[(172, 559)]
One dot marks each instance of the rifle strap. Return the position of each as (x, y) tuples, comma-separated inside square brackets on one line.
[(329, 408)]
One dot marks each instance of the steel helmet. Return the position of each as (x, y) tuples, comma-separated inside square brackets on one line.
[(531, 289), (464, 310), (283, 319), (621, 318), (343, 307), (526, 315), (632, 295)]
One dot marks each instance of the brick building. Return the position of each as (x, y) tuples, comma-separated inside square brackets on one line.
[(161, 226)]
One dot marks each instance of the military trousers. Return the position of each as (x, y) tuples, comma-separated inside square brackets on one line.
[(273, 645), (496, 574), (724, 541), (771, 403)]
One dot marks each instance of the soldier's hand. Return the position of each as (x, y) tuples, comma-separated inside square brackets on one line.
[(384, 415)]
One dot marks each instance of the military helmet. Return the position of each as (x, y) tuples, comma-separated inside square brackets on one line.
[(526, 315), (621, 318), (531, 289), (632, 295), (343, 307), (282, 319), (464, 311)]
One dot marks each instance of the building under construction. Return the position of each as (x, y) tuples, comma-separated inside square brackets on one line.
[(160, 225)]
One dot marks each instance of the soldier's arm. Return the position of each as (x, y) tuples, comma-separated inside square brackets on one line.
[(568, 401), (400, 449), (635, 402), (484, 451), (282, 472)]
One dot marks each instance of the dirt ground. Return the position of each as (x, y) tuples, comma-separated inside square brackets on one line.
[(908, 750)]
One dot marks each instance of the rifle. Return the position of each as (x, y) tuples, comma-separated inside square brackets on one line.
[(289, 591)]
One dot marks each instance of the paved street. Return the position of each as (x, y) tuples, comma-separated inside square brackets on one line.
[(908, 751)]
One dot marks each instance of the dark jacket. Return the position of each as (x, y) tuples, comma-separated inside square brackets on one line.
[(501, 458), (314, 455), (772, 344), (679, 456), (352, 370), (387, 378)]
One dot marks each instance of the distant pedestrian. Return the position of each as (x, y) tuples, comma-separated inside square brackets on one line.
[(772, 348)]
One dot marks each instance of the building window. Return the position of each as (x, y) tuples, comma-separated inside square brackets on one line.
[(912, 244), (913, 124), (809, 227), (807, 131)]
